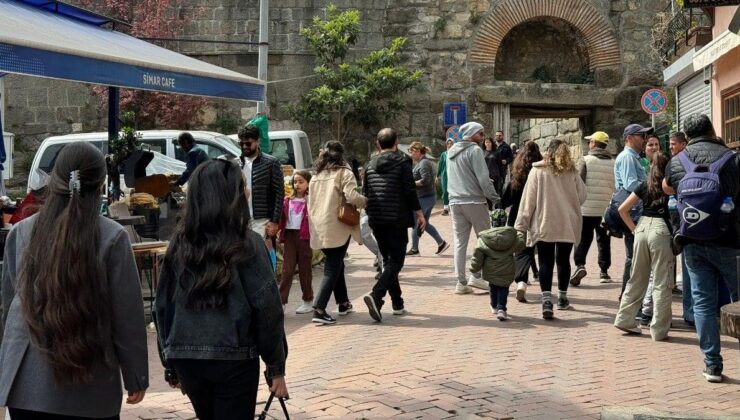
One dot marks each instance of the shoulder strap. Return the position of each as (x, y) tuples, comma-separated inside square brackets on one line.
[(717, 165), (688, 165)]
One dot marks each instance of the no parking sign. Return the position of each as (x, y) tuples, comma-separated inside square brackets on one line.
[(654, 101), (453, 133)]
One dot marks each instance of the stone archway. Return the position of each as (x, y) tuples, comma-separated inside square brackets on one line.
[(600, 37)]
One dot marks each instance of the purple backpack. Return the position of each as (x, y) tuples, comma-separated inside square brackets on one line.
[(700, 198)]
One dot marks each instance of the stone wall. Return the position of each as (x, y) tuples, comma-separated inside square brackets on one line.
[(543, 130), (446, 40)]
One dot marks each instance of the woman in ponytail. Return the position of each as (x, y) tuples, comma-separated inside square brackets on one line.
[(73, 315), (550, 214)]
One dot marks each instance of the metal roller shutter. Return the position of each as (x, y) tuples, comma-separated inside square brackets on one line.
[(694, 96)]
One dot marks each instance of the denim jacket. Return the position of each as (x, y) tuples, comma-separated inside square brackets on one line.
[(249, 326)]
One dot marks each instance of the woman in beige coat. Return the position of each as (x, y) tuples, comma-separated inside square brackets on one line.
[(550, 213), (333, 182)]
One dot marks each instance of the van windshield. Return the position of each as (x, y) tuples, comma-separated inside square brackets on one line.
[(49, 157)]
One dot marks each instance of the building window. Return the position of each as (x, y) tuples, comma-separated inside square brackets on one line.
[(731, 116)]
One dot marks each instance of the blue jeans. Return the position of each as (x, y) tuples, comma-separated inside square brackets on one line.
[(708, 266), (499, 295), (688, 301), (427, 204)]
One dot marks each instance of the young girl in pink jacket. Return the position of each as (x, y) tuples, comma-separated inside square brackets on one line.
[(296, 239)]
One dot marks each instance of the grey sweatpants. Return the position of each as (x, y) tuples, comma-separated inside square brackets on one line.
[(465, 217)]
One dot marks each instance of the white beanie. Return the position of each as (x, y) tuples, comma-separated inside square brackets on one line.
[(468, 130)]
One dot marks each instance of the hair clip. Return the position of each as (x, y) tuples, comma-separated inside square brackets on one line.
[(74, 182)]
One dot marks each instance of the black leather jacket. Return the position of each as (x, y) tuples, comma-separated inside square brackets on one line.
[(268, 190), (390, 190), (250, 326), (707, 150)]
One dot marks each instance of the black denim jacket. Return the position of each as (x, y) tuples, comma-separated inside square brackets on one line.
[(250, 326)]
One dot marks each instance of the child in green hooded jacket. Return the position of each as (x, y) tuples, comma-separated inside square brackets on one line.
[(494, 255)]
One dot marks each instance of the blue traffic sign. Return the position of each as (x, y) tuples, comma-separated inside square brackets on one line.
[(453, 133), (455, 113), (654, 101)]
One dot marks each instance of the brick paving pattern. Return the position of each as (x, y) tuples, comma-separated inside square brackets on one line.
[(449, 357)]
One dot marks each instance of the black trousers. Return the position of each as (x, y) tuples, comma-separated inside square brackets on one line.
[(523, 262), (603, 243), (18, 414), (551, 254), (392, 243), (333, 281), (220, 389)]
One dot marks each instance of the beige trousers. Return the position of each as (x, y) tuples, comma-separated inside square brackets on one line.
[(652, 252)]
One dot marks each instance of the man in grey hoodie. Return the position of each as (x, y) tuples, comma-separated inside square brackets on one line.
[(468, 186)]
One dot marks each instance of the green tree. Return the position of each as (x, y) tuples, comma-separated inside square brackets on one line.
[(351, 93)]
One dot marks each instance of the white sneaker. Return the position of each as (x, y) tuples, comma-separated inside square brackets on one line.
[(478, 283), (463, 289), (521, 291), (305, 308), (501, 315)]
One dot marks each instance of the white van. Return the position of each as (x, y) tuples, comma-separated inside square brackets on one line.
[(290, 147), (162, 142)]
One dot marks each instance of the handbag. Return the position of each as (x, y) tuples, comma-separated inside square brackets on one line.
[(348, 214), (263, 415)]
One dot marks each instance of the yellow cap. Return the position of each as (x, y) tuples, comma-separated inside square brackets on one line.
[(599, 136)]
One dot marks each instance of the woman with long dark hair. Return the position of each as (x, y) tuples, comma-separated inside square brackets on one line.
[(73, 314), (550, 213), (652, 254), (218, 308), (494, 169), (332, 185), (512, 196)]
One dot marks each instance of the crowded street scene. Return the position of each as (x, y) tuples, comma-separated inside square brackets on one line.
[(506, 209)]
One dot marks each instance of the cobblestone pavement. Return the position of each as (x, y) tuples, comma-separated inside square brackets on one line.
[(450, 357)]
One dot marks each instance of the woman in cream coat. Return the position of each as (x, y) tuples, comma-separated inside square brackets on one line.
[(333, 181), (550, 213)]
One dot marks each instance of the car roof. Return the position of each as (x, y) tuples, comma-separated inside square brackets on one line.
[(103, 135)]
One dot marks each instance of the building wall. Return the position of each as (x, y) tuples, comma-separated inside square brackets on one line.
[(726, 69), (441, 34)]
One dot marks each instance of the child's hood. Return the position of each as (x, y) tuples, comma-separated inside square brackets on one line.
[(500, 239)]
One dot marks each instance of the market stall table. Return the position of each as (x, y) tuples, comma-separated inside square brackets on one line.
[(148, 256)]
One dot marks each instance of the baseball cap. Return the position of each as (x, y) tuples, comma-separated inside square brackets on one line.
[(468, 130), (599, 137), (637, 129)]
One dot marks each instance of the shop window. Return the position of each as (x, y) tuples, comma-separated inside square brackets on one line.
[(731, 116)]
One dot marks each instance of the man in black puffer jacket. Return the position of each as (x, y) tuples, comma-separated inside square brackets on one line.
[(265, 183), (389, 187), (713, 262)]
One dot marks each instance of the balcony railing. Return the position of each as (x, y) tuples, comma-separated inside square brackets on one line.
[(683, 28)]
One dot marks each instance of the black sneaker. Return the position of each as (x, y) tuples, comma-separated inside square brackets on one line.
[(323, 318), (442, 247), (412, 252), (373, 307), (713, 373), (645, 320), (575, 279), (604, 278), (563, 303), (536, 276), (345, 308), (547, 312)]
